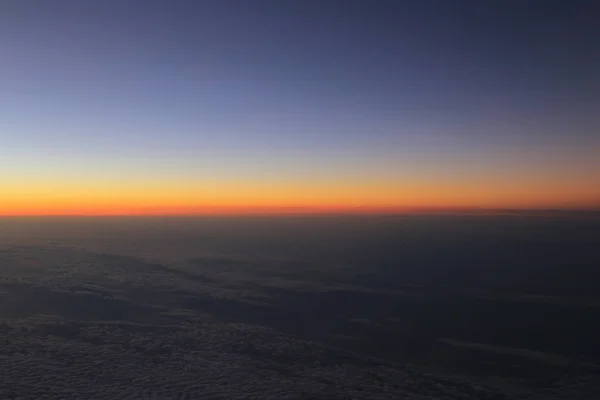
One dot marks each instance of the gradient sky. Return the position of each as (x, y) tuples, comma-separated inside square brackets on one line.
[(171, 106)]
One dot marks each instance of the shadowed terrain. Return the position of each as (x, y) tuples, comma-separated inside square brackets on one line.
[(491, 308)]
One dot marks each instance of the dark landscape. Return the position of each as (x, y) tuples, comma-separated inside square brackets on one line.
[(332, 307)]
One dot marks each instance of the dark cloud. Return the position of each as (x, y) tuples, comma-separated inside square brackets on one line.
[(107, 323)]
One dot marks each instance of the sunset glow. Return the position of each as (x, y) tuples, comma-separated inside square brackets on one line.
[(273, 199), (104, 114)]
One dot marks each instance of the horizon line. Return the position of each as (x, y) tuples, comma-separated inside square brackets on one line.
[(357, 211)]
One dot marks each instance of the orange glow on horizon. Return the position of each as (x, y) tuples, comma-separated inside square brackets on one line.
[(163, 197), (408, 200)]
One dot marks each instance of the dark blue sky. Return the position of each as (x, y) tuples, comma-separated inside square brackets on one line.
[(362, 88)]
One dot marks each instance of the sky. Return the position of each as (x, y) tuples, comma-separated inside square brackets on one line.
[(185, 107)]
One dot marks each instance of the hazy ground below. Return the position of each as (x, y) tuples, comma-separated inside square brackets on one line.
[(439, 307)]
